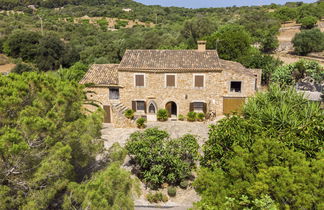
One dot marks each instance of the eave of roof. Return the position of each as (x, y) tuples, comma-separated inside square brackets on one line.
[(159, 70)]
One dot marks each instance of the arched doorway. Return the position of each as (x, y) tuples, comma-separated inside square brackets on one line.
[(171, 107)]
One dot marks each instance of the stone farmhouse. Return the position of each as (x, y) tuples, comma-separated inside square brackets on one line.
[(177, 80)]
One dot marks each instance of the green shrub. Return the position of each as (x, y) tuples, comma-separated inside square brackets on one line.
[(184, 184), (85, 21), (129, 113), (160, 159), (116, 153), (285, 14), (181, 117), (191, 116), (70, 19), (289, 74), (308, 22), (23, 67), (172, 191), (308, 41), (156, 197), (102, 22), (140, 122), (200, 116), (162, 115), (121, 24)]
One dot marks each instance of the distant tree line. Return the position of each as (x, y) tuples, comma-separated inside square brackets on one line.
[(231, 30)]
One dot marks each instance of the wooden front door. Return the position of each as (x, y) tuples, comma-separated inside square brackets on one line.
[(107, 117), (231, 105), (171, 107)]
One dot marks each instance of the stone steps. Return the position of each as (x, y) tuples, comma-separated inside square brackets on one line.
[(120, 107), (119, 110)]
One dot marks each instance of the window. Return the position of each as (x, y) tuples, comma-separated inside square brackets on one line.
[(113, 93), (140, 106), (170, 80), (139, 80), (199, 81), (236, 87), (198, 107)]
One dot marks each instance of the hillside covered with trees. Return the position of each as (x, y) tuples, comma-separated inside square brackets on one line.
[(55, 39)]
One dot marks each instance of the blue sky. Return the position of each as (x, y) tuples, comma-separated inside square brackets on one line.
[(214, 3)]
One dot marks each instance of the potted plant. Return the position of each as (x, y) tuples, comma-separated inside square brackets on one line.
[(140, 122), (191, 116), (172, 191), (129, 113), (200, 117), (162, 115), (181, 117)]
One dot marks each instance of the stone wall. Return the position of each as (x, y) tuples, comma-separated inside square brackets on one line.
[(217, 86), (101, 96)]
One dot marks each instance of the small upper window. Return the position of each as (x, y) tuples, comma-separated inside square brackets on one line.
[(113, 93), (139, 80), (236, 87), (170, 80), (199, 81)]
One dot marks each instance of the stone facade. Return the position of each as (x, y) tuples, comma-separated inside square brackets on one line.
[(216, 88)]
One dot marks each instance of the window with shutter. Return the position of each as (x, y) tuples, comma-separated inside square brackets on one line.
[(170, 80), (199, 81), (139, 80)]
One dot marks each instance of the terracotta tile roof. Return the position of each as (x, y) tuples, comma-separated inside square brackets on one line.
[(177, 60), (235, 66), (161, 60), (101, 74)]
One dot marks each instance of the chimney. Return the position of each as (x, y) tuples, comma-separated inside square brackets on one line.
[(201, 46)]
